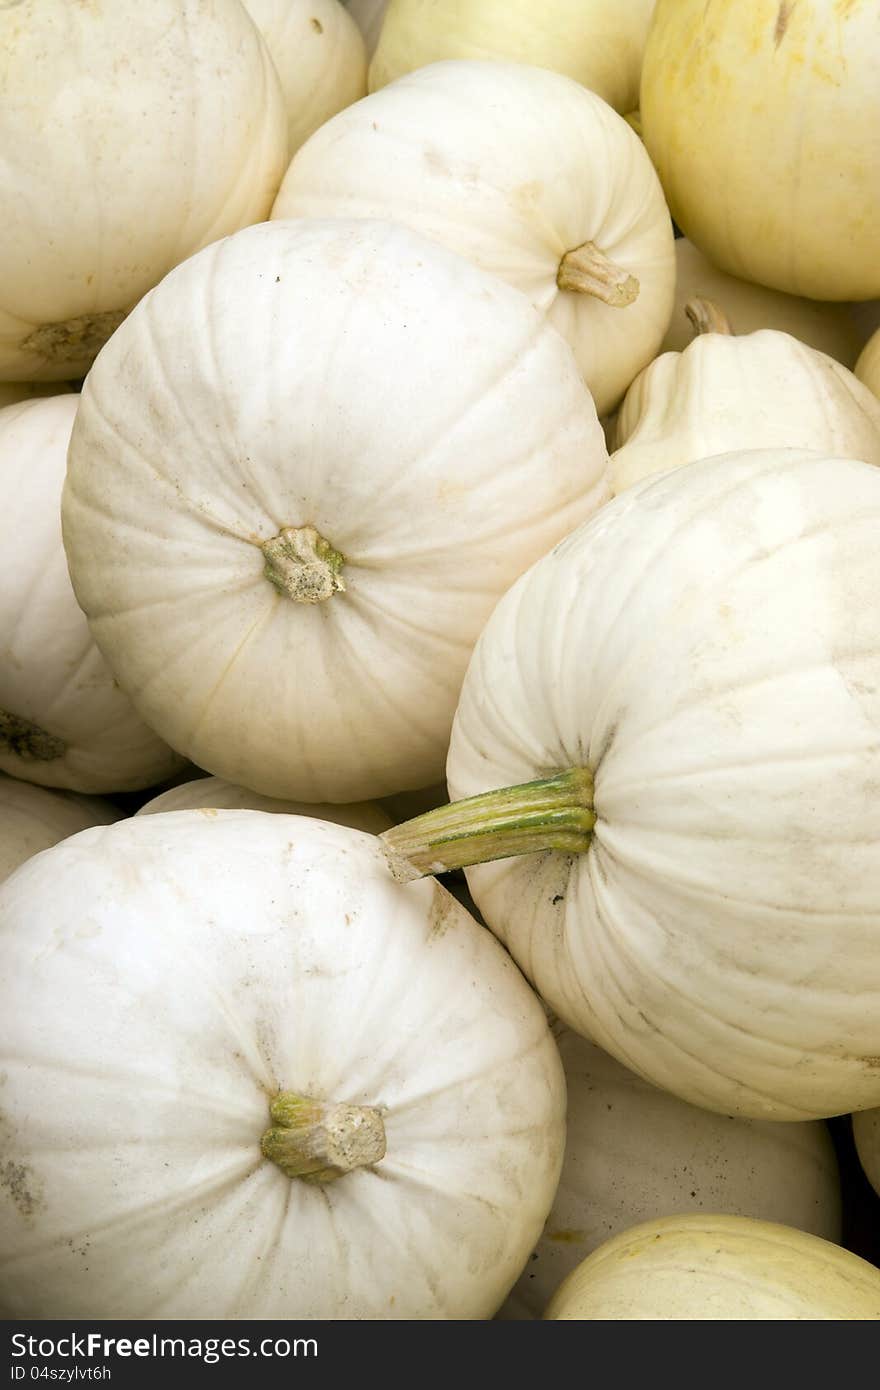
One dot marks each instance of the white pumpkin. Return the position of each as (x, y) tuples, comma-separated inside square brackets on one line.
[(527, 175), (132, 135), (831, 328), (719, 1269), (176, 992), (725, 393), (313, 543), (634, 1153), (868, 365), (213, 792), (64, 722), (763, 120), (33, 818), (599, 43), (319, 56), (695, 675)]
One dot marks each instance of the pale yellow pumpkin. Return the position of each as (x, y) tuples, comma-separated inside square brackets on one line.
[(719, 1268), (597, 42), (763, 120)]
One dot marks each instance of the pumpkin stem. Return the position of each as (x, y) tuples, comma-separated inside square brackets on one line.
[(302, 565), (554, 813), (317, 1141), (707, 316), (587, 270)]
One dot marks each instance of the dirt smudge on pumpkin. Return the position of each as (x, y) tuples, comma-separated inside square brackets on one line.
[(784, 15), (23, 1187), (443, 905)]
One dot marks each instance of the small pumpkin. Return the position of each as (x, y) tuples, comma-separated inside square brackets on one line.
[(132, 135), (666, 742), (529, 176), (64, 721), (300, 590), (719, 1268), (249, 1076), (729, 392), (634, 1153)]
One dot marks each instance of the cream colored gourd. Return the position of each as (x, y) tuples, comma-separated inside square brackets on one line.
[(527, 175), (763, 120), (301, 588), (716, 1269), (33, 818), (866, 1135), (64, 721), (599, 43), (213, 792), (132, 134), (319, 55), (868, 365), (369, 16), (693, 679), (724, 392), (831, 328), (634, 1153), (168, 980)]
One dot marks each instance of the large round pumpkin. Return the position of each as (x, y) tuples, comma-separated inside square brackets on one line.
[(693, 678), (246, 1075), (322, 498)]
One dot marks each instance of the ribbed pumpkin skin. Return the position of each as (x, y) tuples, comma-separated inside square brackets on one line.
[(418, 414), (64, 722), (133, 134), (161, 981), (763, 121), (709, 646), (634, 1153), (719, 1268), (725, 393)]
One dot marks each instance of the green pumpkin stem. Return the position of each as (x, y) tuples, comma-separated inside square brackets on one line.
[(320, 1141), (554, 813)]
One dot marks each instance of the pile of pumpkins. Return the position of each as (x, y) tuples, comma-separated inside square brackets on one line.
[(390, 493)]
